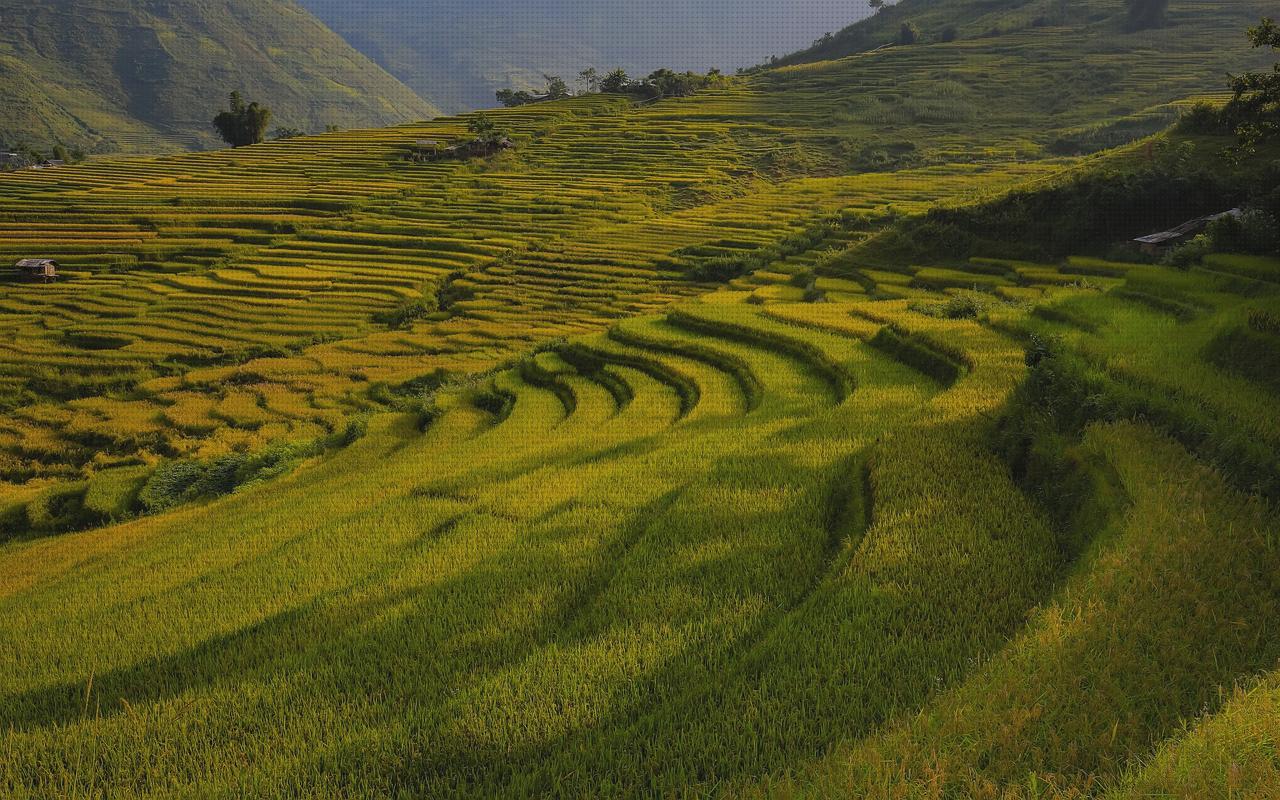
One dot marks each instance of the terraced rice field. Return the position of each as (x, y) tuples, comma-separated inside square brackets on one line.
[(985, 528), (271, 266), (806, 486)]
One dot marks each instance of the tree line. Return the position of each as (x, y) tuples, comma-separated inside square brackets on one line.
[(660, 83)]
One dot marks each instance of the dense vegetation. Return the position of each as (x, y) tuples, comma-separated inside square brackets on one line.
[(801, 437), (113, 75)]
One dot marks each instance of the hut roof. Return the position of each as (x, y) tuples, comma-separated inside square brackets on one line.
[(1186, 229)]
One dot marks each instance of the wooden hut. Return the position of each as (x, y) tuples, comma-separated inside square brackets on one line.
[(45, 269), (1156, 243)]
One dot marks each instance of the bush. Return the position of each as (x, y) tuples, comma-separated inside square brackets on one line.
[(1255, 232), (803, 279), (1189, 254), (1204, 119), (168, 485)]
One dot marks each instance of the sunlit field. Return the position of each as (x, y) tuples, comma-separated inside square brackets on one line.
[(633, 462)]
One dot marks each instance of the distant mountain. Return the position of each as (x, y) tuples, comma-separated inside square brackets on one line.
[(149, 74), (459, 53)]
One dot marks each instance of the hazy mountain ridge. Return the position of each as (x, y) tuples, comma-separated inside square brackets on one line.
[(148, 74), (459, 55)]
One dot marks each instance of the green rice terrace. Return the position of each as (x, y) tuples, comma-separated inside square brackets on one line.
[(785, 440)]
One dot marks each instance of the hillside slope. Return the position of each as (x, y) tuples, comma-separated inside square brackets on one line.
[(1104, 20), (149, 74), (458, 54)]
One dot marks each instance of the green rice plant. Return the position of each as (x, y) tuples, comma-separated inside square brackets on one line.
[(113, 494)]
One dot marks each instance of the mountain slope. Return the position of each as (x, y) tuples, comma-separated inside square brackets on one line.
[(149, 74), (990, 19), (459, 53)]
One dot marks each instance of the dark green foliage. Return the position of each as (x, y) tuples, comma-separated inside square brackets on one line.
[(168, 485), (1204, 119), (512, 98), (176, 482), (965, 306), (676, 84), (1256, 232), (485, 129), (1254, 111), (908, 34), (803, 279), (615, 82), (1091, 210), (242, 125), (557, 89), (404, 315)]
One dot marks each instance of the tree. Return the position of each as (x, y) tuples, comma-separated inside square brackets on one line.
[(588, 81), (511, 99), (908, 33), (1254, 110), (876, 5), (1144, 14), (557, 89), (485, 130), (286, 133), (615, 82), (243, 124)]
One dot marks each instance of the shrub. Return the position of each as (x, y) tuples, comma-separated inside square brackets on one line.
[(1204, 119), (1189, 254), (803, 279), (168, 485), (1255, 232)]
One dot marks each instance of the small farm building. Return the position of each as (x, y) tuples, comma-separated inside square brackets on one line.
[(1158, 242), (43, 268)]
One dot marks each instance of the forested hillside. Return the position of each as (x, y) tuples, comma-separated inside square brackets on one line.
[(148, 75)]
